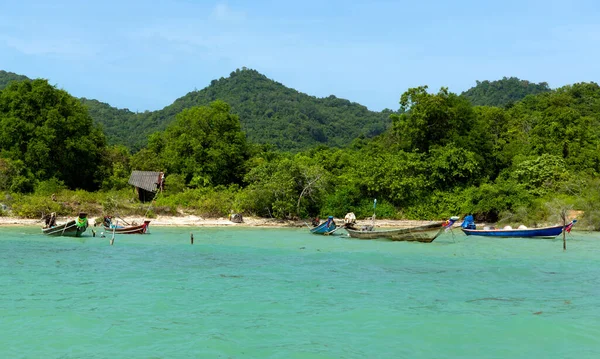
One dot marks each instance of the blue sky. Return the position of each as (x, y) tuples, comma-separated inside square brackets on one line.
[(142, 55)]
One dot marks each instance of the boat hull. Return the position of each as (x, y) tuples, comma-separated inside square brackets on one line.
[(323, 229), (326, 227), (141, 229), (69, 229), (424, 234), (545, 232)]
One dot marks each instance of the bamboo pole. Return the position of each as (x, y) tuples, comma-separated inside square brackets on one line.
[(374, 207), (563, 215), (112, 240)]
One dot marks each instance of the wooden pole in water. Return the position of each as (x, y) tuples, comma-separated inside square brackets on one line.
[(191, 238), (563, 215), (112, 240), (374, 207), (564, 238)]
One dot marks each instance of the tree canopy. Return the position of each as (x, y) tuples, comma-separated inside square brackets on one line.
[(205, 144), (8, 77), (269, 113), (46, 133), (503, 92)]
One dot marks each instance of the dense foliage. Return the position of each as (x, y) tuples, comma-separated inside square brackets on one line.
[(45, 133), (444, 157), (503, 92), (205, 145), (8, 77), (270, 113), (120, 126), (441, 156)]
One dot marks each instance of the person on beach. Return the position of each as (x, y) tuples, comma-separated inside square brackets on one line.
[(50, 220)]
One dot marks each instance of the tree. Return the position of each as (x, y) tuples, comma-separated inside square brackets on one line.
[(119, 158), (8, 77), (432, 119), (51, 133), (286, 187), (205, 144), (503, 93), (562, 123)]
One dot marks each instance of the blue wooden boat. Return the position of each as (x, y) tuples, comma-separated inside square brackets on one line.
[(326, 227), (542, 232)]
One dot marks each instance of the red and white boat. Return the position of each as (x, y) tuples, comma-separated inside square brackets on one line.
[(110, 227)]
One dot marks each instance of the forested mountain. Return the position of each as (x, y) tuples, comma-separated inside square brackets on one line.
[(269, 113), (503, 92), (118, 124), (6, 77)]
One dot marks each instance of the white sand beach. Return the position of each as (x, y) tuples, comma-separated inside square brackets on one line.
[(196, 221)]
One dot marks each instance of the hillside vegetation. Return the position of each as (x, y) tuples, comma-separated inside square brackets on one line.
[(503, 92), (441, 156), (270, 113), (7, 77)]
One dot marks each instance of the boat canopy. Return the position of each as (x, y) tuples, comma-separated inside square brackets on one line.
[(468, 222)]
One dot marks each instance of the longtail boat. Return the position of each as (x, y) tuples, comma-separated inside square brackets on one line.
[(72, 228), (118, 229), (425, 233), (542, 232), (326, 227)]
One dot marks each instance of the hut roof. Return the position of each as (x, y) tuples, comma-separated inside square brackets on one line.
[(147, 180)]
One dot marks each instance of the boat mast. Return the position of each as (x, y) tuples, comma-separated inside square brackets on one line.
[(374, 206)]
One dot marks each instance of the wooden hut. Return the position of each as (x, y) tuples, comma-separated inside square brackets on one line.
[(147, 184)]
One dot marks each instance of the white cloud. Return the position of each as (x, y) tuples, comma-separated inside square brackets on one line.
[(222, 12), (63, 47)]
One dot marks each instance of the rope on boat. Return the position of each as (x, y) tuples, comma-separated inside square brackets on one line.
[(335, 229), (150, 206), (65, 227)]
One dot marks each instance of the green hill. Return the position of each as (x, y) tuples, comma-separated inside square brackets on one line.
[(119, 125), (269, 113), (7, 77), (273, 113), (503, 92)]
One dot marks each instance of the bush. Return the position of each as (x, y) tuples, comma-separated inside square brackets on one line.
[(254, 202), (175, 183), (49, 187), (32, 206), (343, 200), (440, 205), (206, 201)]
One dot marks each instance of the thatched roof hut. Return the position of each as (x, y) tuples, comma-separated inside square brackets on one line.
[(147, 184)]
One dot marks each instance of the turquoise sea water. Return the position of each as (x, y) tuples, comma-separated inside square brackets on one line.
[(283, 293)]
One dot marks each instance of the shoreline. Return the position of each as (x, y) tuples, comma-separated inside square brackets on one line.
[(196, 221)]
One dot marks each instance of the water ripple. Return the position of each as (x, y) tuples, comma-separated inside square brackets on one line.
[(282, 293)]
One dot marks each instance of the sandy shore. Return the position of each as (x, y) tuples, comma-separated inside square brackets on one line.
[(195, 221)]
